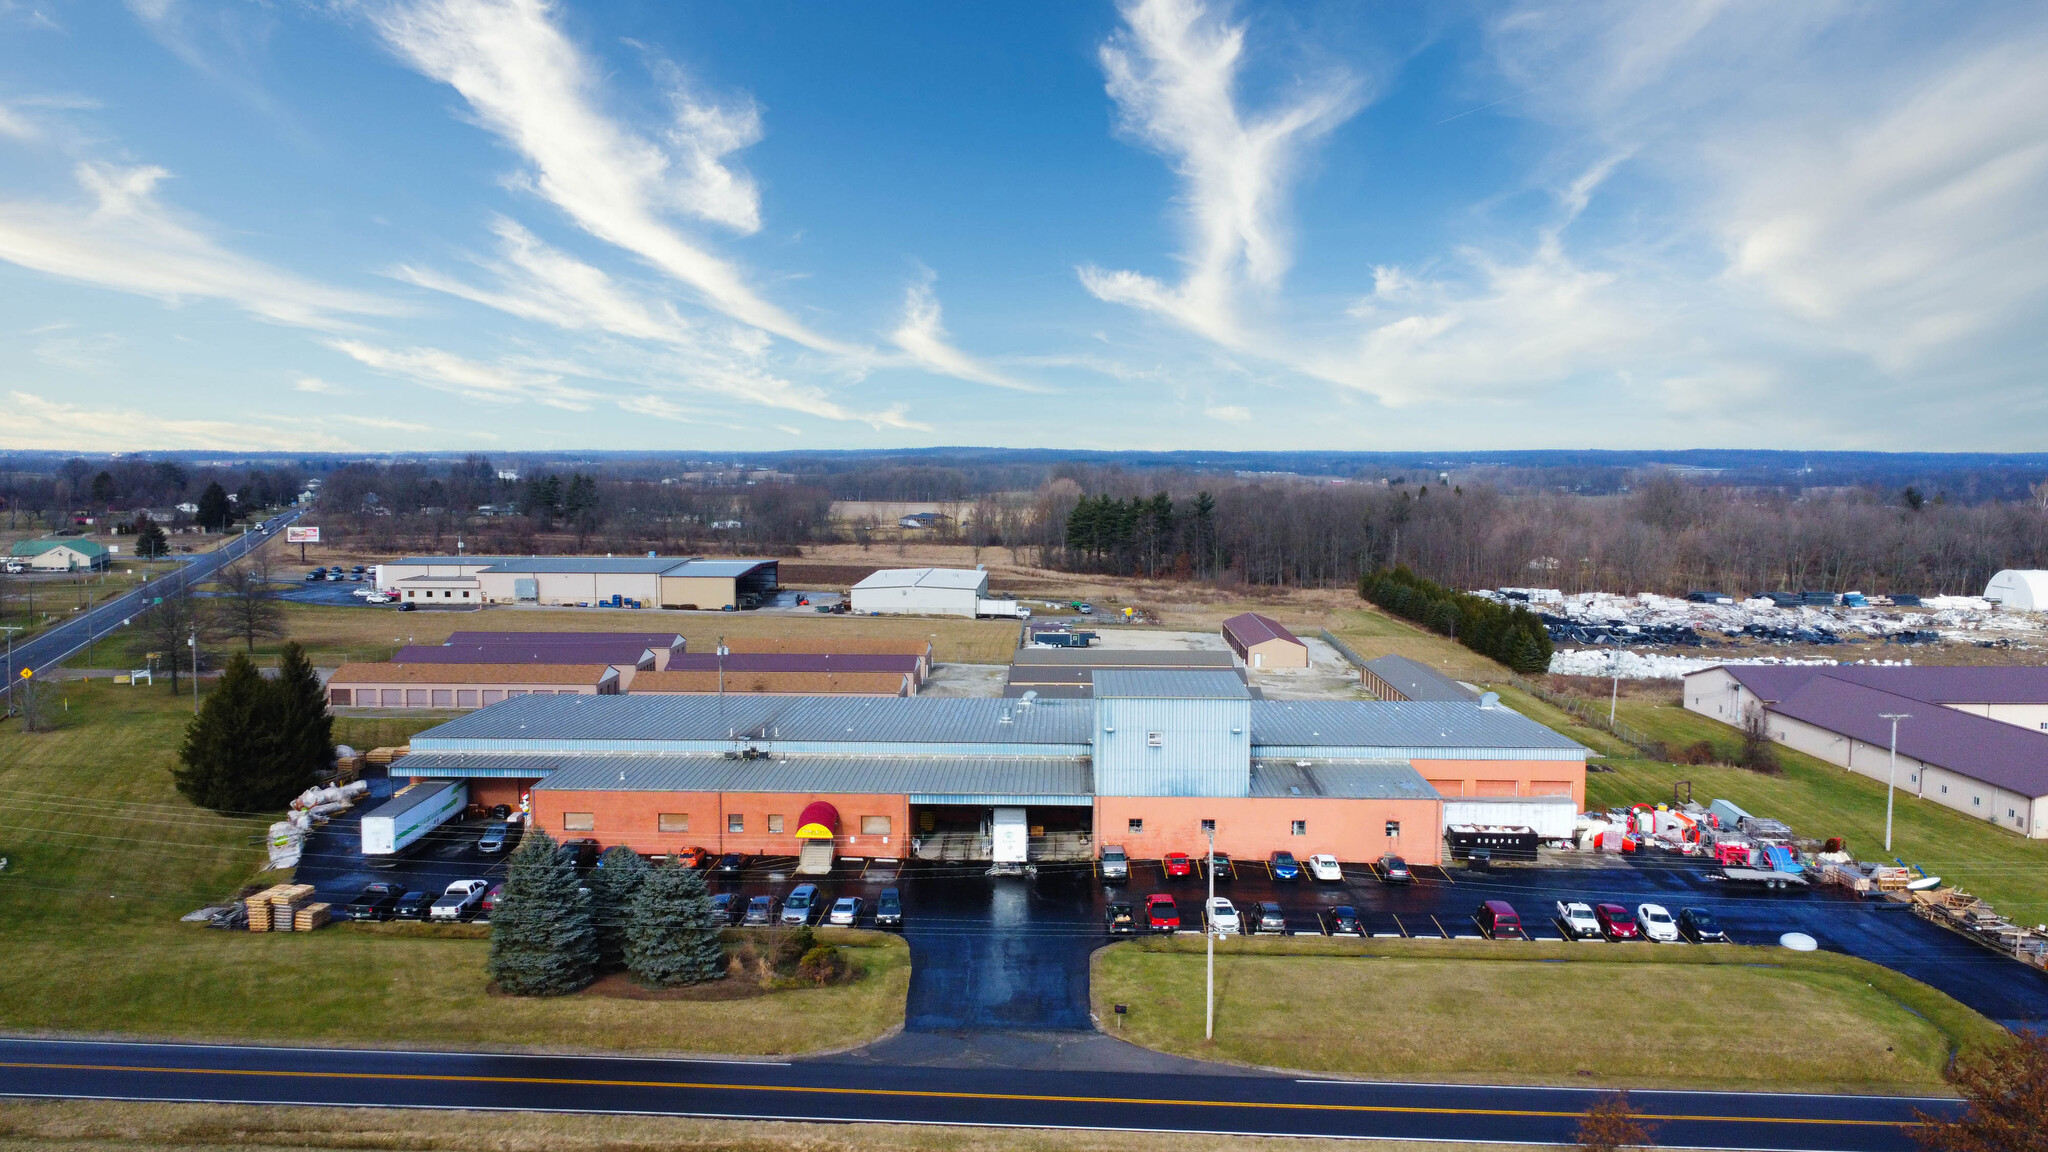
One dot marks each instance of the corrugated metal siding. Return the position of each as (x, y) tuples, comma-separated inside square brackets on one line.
[(1042, 776), (1000, 799), (1437, 727), (1347, 780), (812, 724), (1199, 754), (1168, 684)]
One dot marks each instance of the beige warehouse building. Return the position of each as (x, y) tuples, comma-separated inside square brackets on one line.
[(690, 583), (463, 685)]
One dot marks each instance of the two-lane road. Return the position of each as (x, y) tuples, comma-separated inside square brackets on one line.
[(855, 1092), (60, 643)]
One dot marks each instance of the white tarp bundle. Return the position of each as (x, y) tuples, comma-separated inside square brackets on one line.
[(287, 840)]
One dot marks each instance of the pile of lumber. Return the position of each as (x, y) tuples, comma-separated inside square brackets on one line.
[(382, 757), (284, 908)]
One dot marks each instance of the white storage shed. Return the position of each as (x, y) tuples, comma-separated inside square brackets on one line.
[(2021, 589), (922, 592)]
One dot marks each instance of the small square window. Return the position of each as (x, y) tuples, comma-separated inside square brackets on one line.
[(1208, 825), (1944, 789), (1300, 828), (1137, 825), (1976, 801), (1393, 827), (775, 825), (578, 822), (735, 822), (1156, 739), (674, 821)]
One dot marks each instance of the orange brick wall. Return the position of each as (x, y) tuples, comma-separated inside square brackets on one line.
[(1253, 828), (634, 819), (1455, 778)]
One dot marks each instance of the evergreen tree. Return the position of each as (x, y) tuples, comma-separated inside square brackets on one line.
[(104, 491), (305, 730), (670, 939), (542, 940), (215, 513), (228, 742), (150, 541), (619, 874)]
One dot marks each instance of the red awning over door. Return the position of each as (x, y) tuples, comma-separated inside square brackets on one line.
[(820, 821)]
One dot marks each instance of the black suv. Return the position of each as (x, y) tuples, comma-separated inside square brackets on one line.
[(1118, 919), (889, 909), (412, 906)]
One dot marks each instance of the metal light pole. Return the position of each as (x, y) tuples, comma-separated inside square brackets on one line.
[(1892, 779), (10, 629), (1614, 666), (722, 651), (1209, 935), (193, 643)]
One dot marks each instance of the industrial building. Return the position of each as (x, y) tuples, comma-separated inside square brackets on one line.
[(776, 683), (1973, 739), (693, 583), (922, 592), (463, 685), (1153, 760), (1263, 642), (1400, 678)]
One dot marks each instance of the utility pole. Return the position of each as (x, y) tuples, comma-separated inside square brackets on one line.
[(1209, 935), (193, 643), (1614, 697), (1892, 779), (10, 629)]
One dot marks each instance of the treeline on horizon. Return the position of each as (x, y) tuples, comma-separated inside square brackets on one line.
[(1576, 527)]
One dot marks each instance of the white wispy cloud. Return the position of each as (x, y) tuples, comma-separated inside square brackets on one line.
[(316, 385), (1173, 71), (15, 125), (500, 383), (37, 423), (1229, 413), (384, 423), (922, 336), (528, 83), (123, 237)]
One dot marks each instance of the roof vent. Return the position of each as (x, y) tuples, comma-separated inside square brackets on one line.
[(1030, 695), (1005, 718), (1301, 763), (1489, 700)]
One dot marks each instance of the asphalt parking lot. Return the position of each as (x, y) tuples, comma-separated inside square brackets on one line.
[(1012, 952)]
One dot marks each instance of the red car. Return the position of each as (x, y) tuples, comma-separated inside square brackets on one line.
[(1178, 866), (693, 857), (1616, 922), (1162, 913)]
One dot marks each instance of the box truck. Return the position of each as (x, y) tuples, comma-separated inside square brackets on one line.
[(1012, 836), (412, 812)]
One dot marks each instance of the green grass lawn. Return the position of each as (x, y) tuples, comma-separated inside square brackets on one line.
[(1717, 1017), (104, 856), (1820, 800)]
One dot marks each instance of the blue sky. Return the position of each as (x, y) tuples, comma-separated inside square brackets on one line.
[(391, 225)]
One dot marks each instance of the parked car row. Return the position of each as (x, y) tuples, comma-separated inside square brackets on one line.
[(459, 901), (807, 904), (1115, 865), (1162, 914)]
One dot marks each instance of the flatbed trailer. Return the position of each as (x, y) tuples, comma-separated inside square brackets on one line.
[(1762, 876)]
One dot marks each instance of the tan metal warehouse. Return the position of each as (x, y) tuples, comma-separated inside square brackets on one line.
[(1263, 642), (628, 581)]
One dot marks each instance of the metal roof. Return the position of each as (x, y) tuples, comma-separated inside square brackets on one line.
[(1118, 658), (646, 639), (1418, 681), (81, 546), (675, 723), (884, 775), (1934, 685), (2004, 755), (716, 569), (1167, 684), (1341, 779), (1251, 628), (614, 565), (795, 662), (1444, 727), (961, 578), (589, 652)]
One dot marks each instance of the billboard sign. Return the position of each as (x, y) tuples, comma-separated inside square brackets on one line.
[(296, 535)]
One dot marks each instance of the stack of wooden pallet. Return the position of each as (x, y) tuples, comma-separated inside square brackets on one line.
[(382, 757), (349, 768), (259, 909), (310, 916), (285, 902)]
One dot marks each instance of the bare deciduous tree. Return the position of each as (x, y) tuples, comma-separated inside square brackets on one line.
[(1612, 1125), (248, 606), (2005, 1097)]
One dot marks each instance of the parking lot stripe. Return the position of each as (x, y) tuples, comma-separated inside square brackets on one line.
[(1439, 926), (1401, 926), (921, 1093)]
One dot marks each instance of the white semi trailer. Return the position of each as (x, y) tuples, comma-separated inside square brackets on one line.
[(412, 812), (1012, 836)]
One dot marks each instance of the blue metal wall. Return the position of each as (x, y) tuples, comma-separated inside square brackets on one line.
[(1205, 747)]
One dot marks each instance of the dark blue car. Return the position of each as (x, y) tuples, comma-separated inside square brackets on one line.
[(1284, 866)]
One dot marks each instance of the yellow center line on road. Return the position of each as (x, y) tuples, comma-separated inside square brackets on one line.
[(919, 1093)]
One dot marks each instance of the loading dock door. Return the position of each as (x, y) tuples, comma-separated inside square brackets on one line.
[(526, 588), (1012, 836)]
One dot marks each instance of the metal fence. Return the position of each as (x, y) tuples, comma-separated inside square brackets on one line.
[(1594, 717), (1343, 649)]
